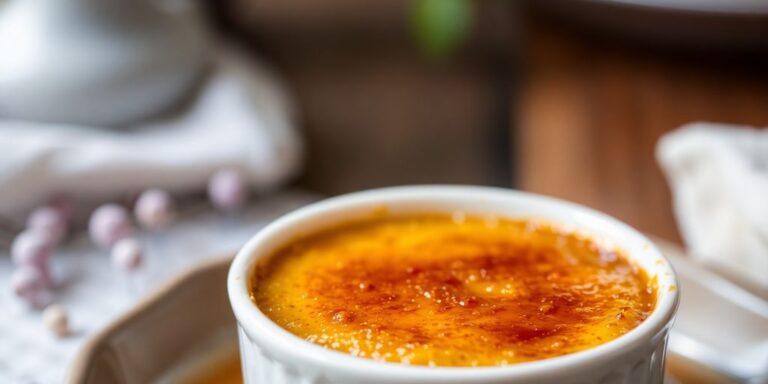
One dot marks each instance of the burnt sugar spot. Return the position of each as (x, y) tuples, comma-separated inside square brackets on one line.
[(432, 290)]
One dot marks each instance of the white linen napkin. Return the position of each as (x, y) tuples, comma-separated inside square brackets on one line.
[(719, 179), (241, 118)]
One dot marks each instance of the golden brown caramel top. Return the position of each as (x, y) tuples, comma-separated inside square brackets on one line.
[(452, 291)]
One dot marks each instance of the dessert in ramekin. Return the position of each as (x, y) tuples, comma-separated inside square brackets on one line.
[(515, 279)]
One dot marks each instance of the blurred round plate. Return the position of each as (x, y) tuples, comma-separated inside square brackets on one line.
[(702, 24), (725, 7)]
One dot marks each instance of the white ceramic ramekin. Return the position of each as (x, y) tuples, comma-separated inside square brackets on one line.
[(272, 355)]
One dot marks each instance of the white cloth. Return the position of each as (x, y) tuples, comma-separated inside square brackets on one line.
[(94, 293), (240, 118), (719, 180)]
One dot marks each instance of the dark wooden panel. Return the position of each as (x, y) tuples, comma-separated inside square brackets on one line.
[(377, 112), (592, 108)]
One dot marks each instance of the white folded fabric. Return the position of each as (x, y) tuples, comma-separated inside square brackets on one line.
[(240, 118), (719, 180)]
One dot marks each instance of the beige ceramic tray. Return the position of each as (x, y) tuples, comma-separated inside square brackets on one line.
[(187, 317)]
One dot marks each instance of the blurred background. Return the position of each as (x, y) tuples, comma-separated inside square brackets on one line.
[(562, 98), (233, 112)]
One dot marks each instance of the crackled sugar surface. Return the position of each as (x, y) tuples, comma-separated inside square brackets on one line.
[(452, 290)]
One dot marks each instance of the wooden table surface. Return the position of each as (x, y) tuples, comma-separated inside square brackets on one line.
[(591, 109)]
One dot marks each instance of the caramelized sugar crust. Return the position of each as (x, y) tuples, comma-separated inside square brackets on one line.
[(452, 291)]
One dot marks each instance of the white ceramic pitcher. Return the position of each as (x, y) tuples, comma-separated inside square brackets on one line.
[(96, 62)]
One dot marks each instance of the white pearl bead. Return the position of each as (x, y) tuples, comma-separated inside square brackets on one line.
[(127, 254), (154, 209), (228, 189), (56, 320), (108, 224), (30, 248), (49, 222)]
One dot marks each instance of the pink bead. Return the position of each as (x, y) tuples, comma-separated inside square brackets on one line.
[(108, 224), (30, 248), (228, 189), (65, 205), (127, 254), (26, 281), (38, 299), (154, 209), (45, 272), (49, 222)]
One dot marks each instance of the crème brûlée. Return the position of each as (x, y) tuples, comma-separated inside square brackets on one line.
[(452, 290)]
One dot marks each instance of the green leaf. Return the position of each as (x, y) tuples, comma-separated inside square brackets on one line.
[(440, 26)]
